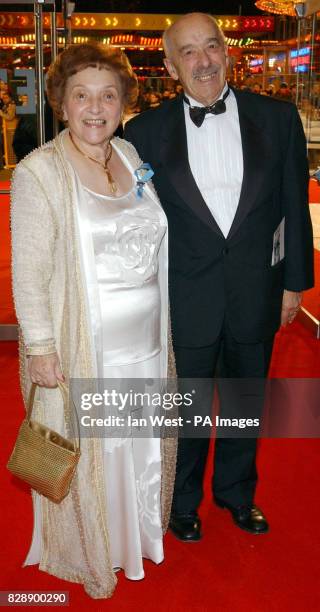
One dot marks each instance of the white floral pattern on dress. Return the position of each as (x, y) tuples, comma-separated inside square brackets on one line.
[(148, 494), (131, 249)]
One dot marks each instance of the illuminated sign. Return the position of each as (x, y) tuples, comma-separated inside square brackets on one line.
[(296, 61), (133, 22), (279, 57), (150, 42), (277, 62), (301, 53), (303, 68), (256, 65), (277, 7), (239, 42), (8, 40), (257, 24), (299, 60), (116, 40)]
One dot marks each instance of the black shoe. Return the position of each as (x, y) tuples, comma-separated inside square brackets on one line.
[(249, 518), (186, 527)]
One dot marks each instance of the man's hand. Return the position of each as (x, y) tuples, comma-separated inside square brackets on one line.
[(290, 306), (45, 370)]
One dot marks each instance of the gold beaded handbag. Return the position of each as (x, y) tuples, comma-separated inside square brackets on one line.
[(43, 458)]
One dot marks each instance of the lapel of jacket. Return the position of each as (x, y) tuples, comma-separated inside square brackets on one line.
[(256, 150), (174, 157)]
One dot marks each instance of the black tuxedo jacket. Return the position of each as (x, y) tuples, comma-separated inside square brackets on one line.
[(212, 278)]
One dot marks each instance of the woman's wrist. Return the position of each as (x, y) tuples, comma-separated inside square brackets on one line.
[(46, 348)]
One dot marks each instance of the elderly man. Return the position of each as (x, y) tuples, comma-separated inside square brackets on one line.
[(232, 175)]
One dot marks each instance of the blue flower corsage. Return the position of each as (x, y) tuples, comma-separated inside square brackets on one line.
[(143, 174)]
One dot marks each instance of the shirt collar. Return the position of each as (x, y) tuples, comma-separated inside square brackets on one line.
[(194, 102)]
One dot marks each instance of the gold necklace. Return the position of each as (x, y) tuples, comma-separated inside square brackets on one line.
[(111, 182)]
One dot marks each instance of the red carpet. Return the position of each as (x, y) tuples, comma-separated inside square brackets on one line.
[(311, 298), (314, 192), (229, 569), (6, 304)]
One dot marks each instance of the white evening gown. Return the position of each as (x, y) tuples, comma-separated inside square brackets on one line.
[(120, 241)]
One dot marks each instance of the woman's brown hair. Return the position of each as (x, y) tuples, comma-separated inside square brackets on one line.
[(79, 57)]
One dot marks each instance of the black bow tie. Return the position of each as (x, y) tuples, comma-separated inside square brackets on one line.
[(198, 113)]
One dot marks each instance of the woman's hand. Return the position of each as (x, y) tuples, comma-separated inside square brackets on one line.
[(45, 370)]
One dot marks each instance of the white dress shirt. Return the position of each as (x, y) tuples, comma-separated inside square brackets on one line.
[(216, 160)]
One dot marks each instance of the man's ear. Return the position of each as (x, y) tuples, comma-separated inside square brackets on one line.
[(171, 69), (226, 52)]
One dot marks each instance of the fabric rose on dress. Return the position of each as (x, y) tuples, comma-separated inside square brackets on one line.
[(137, 246)]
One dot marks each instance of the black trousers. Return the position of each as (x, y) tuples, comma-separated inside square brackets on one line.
[(235, 476)]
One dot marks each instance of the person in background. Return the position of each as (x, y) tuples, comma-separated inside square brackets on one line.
[(7, 113), (293, 92), (256, 88), (4, 88), (8, 110), (283, 92), (154, 100), (270, 89), (166, 95)]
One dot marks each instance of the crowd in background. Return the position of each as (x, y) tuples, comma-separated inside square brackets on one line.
[(153, 92), (151, 97), (282, 91)]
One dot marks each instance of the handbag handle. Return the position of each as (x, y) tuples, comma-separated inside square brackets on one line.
[(65, 396)]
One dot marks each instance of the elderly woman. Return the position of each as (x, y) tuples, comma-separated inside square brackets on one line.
[(91, 295)]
